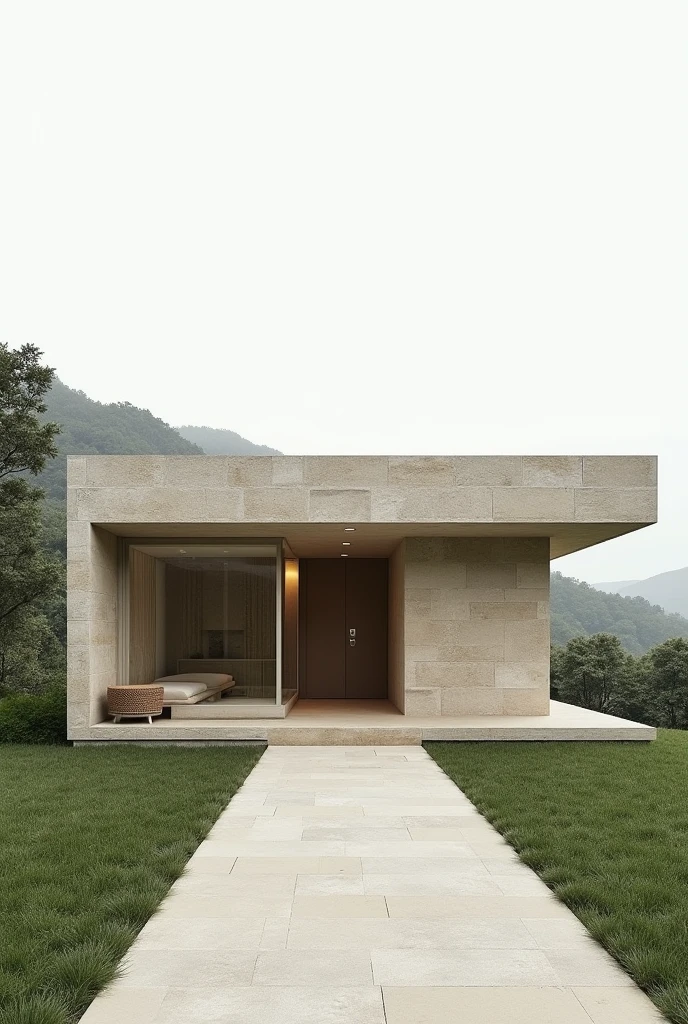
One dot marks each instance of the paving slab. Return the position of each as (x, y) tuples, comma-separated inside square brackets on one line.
[(360, 886), (482, 1006)]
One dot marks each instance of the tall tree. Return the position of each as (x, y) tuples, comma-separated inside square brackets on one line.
[(590, 671), (668, 670), (27, 573)]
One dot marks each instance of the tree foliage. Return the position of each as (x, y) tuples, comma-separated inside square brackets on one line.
[(595, 672), (665, 671), (25, 442), (28, 574), (590, 670), (31, 653)]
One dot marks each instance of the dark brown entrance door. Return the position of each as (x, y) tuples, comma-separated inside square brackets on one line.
[(338, 596)]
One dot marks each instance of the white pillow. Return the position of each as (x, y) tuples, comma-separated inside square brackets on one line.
[(207, 678), (180, 691)]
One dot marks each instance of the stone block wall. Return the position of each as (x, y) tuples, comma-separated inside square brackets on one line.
[(380, 489), (469, 624), (476, 630), (92, 641)]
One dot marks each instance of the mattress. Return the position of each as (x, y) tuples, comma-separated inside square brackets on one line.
[(208, 679), (180, 690)]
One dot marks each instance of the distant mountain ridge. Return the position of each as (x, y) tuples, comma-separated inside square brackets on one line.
[(216, 441), (614, 588), (667, 589), (580, 609), (119, 428)]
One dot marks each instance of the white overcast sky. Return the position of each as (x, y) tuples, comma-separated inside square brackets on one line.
[(362, 227)]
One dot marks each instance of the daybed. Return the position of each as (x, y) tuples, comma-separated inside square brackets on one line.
[(193, 687)]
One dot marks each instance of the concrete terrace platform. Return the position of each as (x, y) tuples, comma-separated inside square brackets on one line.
[(374, 723)]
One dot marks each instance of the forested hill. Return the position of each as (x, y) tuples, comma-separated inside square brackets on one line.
[(579, 609), (92, 428), (118, 428), (668, 589), (215, 441)]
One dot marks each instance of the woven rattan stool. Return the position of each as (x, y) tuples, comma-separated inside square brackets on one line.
[(141, 701)]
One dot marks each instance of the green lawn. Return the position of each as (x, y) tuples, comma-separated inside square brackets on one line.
[(90, 842), (606, 826)]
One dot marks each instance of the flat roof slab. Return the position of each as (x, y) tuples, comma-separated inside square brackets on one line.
[(576, 500)]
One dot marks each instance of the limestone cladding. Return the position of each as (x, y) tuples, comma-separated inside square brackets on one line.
[(476, 629), (471, 625), (382, 489), (91, 621)]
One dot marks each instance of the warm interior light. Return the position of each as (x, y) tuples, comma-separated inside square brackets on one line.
[(349, 529), (344, 556), (346, 543)]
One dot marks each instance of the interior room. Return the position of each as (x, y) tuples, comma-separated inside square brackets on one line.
[(213, 622)]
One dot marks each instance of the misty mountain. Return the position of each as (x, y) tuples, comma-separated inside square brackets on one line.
[(119, 428), (667, 589), (615, 587), (214, 441), (94, 428), (580, 609)]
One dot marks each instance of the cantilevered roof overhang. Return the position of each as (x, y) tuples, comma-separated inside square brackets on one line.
[(576, 501)]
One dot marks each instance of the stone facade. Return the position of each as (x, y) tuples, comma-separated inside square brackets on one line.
[(324, 489), (476, 626), (469, 540), (92, 622)]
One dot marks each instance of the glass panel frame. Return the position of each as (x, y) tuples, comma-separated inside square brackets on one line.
[(162, 547)]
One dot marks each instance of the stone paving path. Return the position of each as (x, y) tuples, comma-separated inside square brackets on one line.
[(358, 885)]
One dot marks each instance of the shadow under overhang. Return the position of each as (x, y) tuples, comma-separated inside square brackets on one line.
[(376, 540)]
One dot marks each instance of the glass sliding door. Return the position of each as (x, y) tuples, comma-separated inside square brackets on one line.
[(215, 608)]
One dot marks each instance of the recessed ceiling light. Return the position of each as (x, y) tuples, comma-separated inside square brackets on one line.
[(349, 529), (346, 543), (344, 556)]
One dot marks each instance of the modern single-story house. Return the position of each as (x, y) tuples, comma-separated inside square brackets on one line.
[(414, 587)]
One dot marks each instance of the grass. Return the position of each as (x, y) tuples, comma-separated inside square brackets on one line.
[(605, 825), (90, 842)]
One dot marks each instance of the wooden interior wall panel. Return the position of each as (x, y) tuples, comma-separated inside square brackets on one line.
[(183, 614), (142, 635), (260, 608)]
